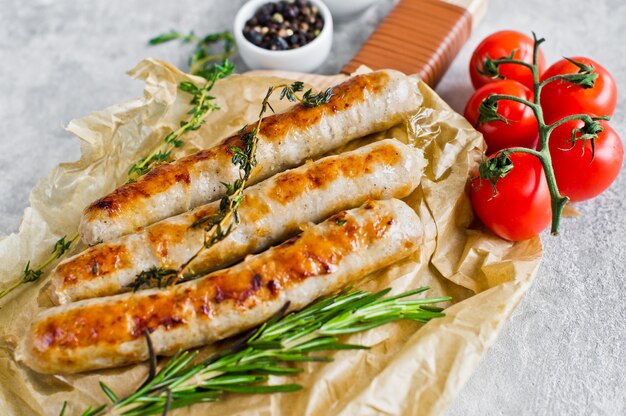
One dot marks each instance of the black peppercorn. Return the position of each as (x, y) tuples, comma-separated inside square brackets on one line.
[(279, 44), (290, 12), (294, 40), (254, 37)]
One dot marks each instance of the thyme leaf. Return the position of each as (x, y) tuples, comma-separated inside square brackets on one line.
[(153, 277)]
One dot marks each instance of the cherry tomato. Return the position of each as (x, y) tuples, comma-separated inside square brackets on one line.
[(499, 45), (577, 175), (521, 207), (521, 130), (560, 98)]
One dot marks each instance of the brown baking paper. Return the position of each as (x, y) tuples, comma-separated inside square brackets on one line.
[(410, 369)]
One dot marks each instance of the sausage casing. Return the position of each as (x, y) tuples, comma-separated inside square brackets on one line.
[(271, 212), (108, 332), (362, 105)]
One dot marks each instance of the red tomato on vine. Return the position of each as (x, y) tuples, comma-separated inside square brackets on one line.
[(563, 98), (519, 127), (520, 207), (502, 44), (584, 169)]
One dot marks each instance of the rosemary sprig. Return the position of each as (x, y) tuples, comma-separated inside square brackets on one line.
[(218, 226), (270, 349), (202, 107), (29, 274), (202, 56)]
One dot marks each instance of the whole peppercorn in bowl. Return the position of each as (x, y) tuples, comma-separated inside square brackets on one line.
[(291, 35)]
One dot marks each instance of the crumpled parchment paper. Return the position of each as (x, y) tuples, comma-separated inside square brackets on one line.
[(410, 369)]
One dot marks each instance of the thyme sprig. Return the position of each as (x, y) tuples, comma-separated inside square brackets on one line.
[(202, 63), (203, 105), (32, 274), (500, 164), (220, 225), (203, 57), (271, 349)]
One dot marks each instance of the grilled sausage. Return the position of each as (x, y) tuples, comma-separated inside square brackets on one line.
[(271, 212), (362, 105), (108, 332)]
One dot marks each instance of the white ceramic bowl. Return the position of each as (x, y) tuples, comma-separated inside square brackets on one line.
[(344, 10), (306, 58)]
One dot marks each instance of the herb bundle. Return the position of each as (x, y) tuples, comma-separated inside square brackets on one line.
[(268, 350), (218, 226)]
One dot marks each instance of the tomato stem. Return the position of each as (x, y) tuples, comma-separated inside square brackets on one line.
[(583, 117), (520, 150), (585, 78), (499, 97), (561, 77), (501, 61)]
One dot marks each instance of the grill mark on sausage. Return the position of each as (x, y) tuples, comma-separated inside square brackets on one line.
[(157, 312), (95, 262), (162, 235), (273, 128), (273, 287), (291, 185), (300, 258)]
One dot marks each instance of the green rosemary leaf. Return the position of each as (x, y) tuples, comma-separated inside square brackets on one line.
[(234, 379), (109, 393), (431, 308), (265, 345), (94, 411), (279, 388)]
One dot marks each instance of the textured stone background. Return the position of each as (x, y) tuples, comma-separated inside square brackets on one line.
[(564, 349)]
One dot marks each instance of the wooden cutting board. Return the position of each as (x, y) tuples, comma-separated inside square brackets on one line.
[(420, 37)]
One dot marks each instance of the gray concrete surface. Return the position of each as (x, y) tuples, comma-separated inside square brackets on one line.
[(564, 350)]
